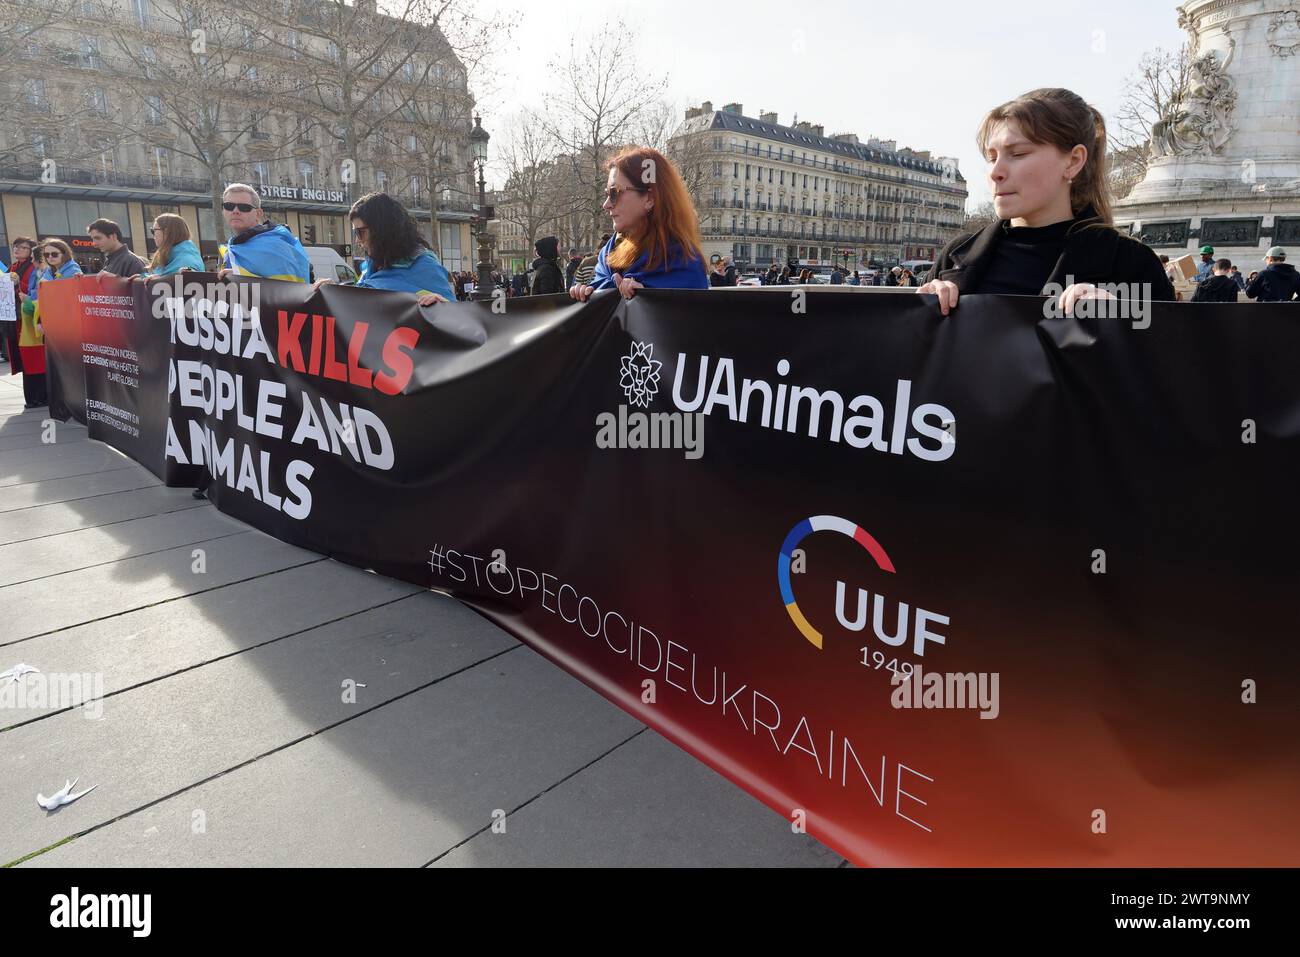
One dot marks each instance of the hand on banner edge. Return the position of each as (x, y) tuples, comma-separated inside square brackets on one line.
[(626, 285), (1080, 291), (943, 290)]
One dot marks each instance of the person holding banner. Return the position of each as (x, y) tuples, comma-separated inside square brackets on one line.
[(59, 264), (656, 240), (1046, 155), (175, 250), (397, 258), (258, 247), (21, 274)]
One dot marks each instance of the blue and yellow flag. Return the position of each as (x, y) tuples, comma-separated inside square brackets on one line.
[(419, 275), (273, 253)]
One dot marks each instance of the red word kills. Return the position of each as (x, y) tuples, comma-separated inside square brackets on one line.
[(322, 352)]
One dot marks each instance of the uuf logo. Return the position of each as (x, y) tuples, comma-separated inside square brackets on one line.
[(820, 523), (640, 374)]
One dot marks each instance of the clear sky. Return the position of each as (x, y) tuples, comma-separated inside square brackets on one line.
[(919, 73)]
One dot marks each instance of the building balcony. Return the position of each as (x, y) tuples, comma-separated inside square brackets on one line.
[(93, 176)]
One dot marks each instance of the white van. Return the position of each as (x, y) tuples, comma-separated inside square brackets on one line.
[(326, 263), (919, 267)]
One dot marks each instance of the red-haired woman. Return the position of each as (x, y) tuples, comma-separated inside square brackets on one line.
[(656, 241)]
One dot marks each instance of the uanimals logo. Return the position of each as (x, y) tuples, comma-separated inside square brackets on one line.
[(640, 374)]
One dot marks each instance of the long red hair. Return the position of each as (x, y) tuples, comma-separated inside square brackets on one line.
[(671, 222)]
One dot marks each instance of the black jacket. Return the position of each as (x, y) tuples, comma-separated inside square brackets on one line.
[(1276, 282), (1094, 253), (1217, 289), (547, 275)]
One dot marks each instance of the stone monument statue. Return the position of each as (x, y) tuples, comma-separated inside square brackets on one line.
[(1223, 163)]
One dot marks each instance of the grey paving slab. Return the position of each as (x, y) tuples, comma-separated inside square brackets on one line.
[(149, 643), (18, 423), (646, 804), (69, 551), (90, 594), (37, 439), (57, 461), (126, 476), (42, 521), (396, 786), (159, 738)]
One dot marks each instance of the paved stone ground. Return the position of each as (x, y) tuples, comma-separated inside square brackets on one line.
[(223, 737)]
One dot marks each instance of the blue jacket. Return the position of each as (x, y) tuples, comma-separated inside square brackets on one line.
[(421, 274), (681, 272), (65, 271), (1206, 271), (184, 255)]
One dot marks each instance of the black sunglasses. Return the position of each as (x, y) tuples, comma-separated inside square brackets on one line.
[(614, 192), (242, 207)]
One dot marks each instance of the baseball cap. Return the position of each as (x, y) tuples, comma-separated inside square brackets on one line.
[(1207, 250), (1276, 252)]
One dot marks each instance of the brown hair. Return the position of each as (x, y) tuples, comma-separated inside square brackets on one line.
[(22, 241), (175, 230), (1057, 117), (107, 227), (61, 246), (672, 219)]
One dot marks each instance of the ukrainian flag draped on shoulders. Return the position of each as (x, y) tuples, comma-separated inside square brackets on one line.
[(267, 251), (419, 274)]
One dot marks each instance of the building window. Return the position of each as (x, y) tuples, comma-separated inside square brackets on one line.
[(90, 53), (142, 11), (261, 173), (307, 173), (450, 252), (153, 106)]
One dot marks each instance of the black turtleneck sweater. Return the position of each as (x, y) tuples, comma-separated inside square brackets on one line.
[(1023, 259)]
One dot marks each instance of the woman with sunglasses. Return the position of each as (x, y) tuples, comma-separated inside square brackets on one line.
[(397, 258), (1046, 155), (59, 264), (656, 240), (175, 250)]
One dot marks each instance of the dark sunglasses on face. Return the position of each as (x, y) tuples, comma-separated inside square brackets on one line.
[(242, 207), (612, 194)]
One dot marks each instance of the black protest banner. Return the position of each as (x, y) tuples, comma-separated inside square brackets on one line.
[(1001, 588)]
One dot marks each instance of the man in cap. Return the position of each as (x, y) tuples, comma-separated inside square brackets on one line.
[(1207, 264), (1277, 282)]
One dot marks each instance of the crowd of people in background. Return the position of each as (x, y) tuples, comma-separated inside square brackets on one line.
[(1045, 153)]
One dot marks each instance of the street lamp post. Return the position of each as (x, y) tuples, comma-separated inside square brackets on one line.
[(478, 139)]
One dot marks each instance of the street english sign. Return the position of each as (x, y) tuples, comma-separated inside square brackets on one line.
[(303, 193)]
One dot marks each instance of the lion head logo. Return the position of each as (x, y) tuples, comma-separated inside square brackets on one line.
[(640, 374)]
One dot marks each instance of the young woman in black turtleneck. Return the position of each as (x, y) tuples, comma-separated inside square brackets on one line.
[(1046, 154)]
